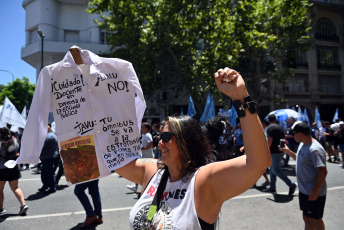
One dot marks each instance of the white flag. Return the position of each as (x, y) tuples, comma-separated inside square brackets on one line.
[(10, 115), (15, 128), (23, 113)]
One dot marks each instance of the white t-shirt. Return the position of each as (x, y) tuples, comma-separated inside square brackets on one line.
[(146, 139)]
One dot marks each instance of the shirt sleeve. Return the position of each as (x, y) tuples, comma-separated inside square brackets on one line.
[(36, 128), (318, 159)]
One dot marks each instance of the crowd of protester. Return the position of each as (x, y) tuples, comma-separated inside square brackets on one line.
[(224, 141)]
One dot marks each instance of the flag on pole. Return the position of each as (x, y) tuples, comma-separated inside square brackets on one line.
[(15, 128), (233, 116), (10, 115), (191, 108), (301, 118), (317, 119), (335, 116), (293, 108), (305, 115), (23, 113), (209, 109)]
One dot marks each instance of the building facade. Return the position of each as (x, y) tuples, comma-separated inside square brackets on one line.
[(63, 23), (319, 75), (318, 81)]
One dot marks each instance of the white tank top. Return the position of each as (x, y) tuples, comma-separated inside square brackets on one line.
[(177, 206)]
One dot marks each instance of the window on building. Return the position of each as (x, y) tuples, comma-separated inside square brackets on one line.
[(329, 84), (325, 30), (104, 37), (297, 84), (71, 36), (328, 58)]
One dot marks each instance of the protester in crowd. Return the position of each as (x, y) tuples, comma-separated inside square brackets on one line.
[(20, 134), (215, 130), (194, 190), (8, 151), (292, 144), (335, 126), (329, 141), (311, 173), (155, 137), (275, 133), (315, 131), (238, 141), (48, 158), (146, 148), (60, 171), (93, 215), (340, 135)]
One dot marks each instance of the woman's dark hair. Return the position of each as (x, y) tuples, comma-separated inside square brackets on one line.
[(191, 143), (5, 137), (215, 128)]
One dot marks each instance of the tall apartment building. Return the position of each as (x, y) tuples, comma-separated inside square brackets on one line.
[(64, 23), (319, 76)]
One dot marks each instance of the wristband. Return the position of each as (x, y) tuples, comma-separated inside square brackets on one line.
[(248, 104)]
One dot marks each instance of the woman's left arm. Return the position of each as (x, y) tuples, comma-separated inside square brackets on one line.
[(230, 178)]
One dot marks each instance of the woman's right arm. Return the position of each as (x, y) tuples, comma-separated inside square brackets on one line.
[(139, 171)]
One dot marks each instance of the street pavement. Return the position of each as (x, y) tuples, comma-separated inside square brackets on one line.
[(250, 210)]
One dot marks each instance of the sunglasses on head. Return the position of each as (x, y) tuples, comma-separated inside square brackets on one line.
[(166, 136)]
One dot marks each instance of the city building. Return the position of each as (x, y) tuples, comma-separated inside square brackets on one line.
[(319, 75), (58, 25), (318, 81)]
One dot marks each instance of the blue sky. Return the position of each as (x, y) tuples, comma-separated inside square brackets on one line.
[(12, 39)]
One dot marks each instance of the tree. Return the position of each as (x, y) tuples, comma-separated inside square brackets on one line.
[(20, 93), (189, 40)]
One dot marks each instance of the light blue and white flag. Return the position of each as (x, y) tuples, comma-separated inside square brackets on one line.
[(317, 119), (305, 116), (301, 118), (335, 116), (233, 116), (209, 110), (191, 108)]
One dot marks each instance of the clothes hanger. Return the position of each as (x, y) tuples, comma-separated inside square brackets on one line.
[(76, 55)]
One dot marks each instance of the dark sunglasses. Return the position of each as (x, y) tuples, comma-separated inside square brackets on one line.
[(166, 136)]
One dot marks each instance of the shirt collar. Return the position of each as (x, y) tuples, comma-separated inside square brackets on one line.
[(87, 56)]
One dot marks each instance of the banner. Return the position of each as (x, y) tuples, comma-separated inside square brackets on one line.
[(10, 115), (209, 109)]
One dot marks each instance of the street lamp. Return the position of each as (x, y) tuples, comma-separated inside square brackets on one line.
[(40, 33), (9, 73)]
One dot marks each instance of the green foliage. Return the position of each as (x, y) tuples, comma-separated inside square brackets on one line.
[(191, 39), (20, 93)]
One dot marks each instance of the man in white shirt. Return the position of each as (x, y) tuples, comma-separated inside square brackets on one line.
[(146, 148), (147, 141)]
